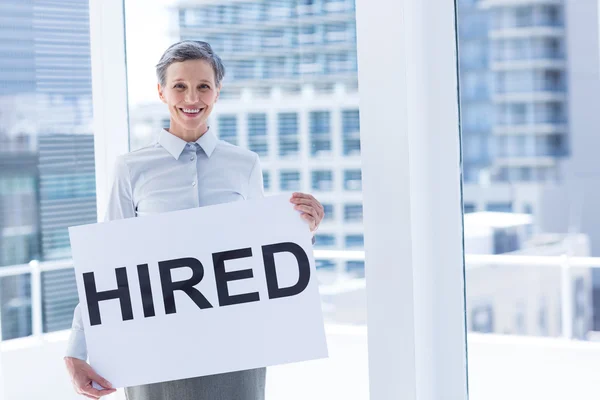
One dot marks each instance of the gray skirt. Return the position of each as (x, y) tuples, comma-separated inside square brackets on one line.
[(240, 385)]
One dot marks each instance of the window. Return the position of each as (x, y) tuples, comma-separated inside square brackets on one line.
[(355, 241), (338, 63), (275, 67), (469, 208), (322, 240), (482, 319), (499, 207), (336, 33), (523, 16), (353, 212), (267, 180), (291, 73), (328, 209), (308, 35), (351, 132), (332, 6), (353, 180), (290, 181), (289, 144), (322, 181), (47, 160), (228, 128), (356, 268), (325, 264), (320, 134), (257, 134)]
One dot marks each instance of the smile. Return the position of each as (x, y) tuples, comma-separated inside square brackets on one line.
[(191, 110)]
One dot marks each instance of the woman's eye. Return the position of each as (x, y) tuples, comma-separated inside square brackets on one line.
[(180, 86), (204, 87)]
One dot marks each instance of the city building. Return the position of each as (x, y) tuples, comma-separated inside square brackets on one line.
[(47, 176), (290, 94)]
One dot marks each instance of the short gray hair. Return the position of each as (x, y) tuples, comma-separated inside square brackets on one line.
[(189, 50)]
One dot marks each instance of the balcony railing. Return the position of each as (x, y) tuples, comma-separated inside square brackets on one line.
[(340, 280)]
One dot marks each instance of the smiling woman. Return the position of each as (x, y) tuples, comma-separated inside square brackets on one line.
[(187, 167)]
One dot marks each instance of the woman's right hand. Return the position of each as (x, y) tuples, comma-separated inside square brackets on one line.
[(83, 375)]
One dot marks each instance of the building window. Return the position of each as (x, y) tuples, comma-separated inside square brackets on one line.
[(266, 180), (320, 134), (290, 181), (275, 67), (308, 35), (325, 264), (336, 33), (482, 319), (353, 180), (338, 62), (353, 212), (289, 144), (356, 268), (322, 181), (469, 208), (258, 141), (355, 241), (324, 240), (351, 132), (499, 207), (328, 209), (228, 128), (523, 16)]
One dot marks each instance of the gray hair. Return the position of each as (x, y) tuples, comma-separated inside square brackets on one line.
[(189, 50)]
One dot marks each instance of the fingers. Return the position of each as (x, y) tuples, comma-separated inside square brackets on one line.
[(100, 380), (307, 210), (312, 210), (312, 202), (311, 221), (92, 393)]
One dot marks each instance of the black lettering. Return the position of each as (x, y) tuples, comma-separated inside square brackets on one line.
[(187, 286), (146, 290), (271, 272), (94, 297), (222, 277)]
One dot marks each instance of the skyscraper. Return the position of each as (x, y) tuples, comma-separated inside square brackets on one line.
[(47, 154)]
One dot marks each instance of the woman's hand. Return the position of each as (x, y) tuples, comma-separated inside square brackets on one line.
[(82, 376), (312, 210)]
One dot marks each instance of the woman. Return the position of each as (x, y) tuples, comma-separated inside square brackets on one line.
[(187, 167)]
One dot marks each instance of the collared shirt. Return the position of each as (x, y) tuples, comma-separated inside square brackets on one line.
[(171, 175)]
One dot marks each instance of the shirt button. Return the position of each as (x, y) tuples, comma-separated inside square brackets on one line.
[(192, 158), (194, 183)]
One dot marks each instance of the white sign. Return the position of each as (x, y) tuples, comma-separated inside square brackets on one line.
[(198, 292)]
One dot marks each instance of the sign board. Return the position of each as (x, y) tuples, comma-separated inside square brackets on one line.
[(198, 292)]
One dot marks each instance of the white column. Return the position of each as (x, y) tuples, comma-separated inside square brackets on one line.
[(109, 87), (412, 199)]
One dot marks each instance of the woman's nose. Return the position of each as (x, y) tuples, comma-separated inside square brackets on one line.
[(192, 96)]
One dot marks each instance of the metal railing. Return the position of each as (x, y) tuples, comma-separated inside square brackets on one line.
[(343, 280)]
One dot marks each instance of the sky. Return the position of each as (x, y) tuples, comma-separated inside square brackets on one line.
[(147, 36)]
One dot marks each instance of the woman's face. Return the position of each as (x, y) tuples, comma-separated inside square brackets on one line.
[(191, 93)]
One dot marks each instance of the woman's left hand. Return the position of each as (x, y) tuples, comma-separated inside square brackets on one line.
[(312, 210)]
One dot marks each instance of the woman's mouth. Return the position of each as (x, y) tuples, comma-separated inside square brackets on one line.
[(191, 112)]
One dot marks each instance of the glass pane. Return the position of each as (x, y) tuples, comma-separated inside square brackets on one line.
[(529, 110), (15, 306), (290, 94), (59, 298), (47, 173)]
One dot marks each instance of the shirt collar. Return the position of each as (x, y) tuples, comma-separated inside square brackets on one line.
[(175, 145)]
